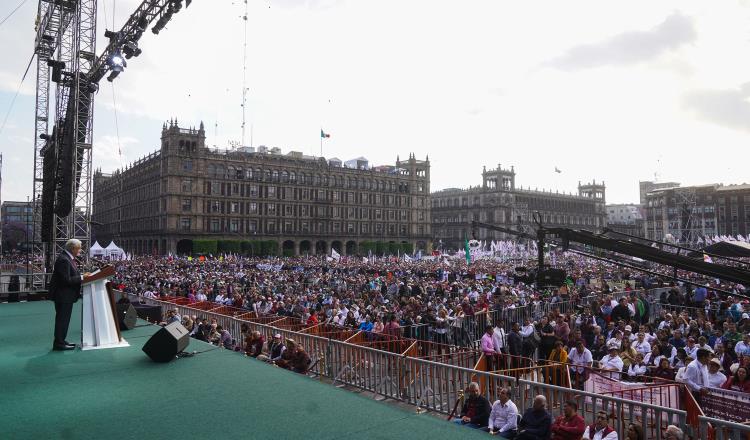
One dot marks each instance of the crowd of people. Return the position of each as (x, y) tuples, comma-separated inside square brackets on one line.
[(614, 323)]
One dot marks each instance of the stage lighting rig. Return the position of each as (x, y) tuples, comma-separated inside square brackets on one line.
[(131, 49)]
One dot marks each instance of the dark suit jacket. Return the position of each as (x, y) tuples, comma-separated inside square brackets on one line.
[(65, 285)]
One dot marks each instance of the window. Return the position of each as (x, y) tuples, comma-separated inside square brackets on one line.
[(271, 192), (252, 226), (215, 206), (271, 209), (187, 165), (215, 188), (271, 227), (215, 225), (350, 228), (234, 225), (185, 224), (252, 208), (187, 185), (187, 205), (234, 208), (253, 191)]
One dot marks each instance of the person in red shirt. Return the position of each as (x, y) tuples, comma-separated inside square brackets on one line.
[(570, 425)]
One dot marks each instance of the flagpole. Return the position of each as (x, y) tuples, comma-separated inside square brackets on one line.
[(321, 142)]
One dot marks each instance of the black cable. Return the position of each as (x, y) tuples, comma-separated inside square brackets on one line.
[(13, 12), (13, 101)]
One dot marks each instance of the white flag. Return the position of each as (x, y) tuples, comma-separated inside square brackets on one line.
[(335, 255)]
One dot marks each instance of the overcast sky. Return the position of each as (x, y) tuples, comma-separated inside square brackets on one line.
[(614, 91)]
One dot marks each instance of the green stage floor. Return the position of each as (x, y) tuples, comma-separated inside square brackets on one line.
[(120, 394)]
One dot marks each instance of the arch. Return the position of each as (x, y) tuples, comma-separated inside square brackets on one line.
[(305, 247), (351, 247), (287, 248), (336, 244), (320, 247)]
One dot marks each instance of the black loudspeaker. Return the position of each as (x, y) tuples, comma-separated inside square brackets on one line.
[(127, 315), (167, 342)]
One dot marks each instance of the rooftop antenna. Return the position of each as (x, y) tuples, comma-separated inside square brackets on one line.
[(244, 77)]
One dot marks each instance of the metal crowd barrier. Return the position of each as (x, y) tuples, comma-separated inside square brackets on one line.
[(715, 429), (653, 418), (396, 372)]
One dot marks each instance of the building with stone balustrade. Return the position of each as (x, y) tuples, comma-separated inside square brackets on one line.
[(499, 201), (186, 192)]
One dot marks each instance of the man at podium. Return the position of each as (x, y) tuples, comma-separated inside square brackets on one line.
[(64, 290)]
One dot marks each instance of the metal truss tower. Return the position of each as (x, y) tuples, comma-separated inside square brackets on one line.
[(65, 47), (686, 214)]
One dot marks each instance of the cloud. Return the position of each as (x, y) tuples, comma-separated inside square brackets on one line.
[(728, 108), (631, 47)]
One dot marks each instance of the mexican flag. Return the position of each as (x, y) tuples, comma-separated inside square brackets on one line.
[(466, 250), (323, 134)]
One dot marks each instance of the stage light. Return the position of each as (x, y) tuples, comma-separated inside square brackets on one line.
[(116, 62), (131, 49)]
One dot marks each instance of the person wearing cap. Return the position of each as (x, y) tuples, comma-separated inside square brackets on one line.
[(612, 362), (715, 377)]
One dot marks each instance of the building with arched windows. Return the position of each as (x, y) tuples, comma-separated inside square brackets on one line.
[(499, 201), (185, 192)]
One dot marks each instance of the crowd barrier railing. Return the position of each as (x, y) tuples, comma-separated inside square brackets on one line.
[(715, 429), (396, 368), (653, 418)]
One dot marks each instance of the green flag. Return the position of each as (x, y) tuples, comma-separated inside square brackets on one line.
[(466, 249)]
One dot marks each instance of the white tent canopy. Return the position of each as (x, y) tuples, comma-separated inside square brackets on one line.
[(114, 252), (96, 250)]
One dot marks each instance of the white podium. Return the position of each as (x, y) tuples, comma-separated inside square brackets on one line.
[(99, 328)]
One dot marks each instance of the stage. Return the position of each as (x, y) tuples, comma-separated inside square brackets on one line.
[(121, 394)]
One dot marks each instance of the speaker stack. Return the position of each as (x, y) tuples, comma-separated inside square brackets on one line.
[(167, 342)]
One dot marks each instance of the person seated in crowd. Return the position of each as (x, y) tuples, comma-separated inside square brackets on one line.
[(536, 423), (225, 338), (637, 369), (276, 348), (739, 381), (300, 361), (475, 412), (570, 425), (254, 344), (673, 433), (634, 432), (600, 430), (188, 323), (612, 362), (503, 419), (287, 356), (715, 377)]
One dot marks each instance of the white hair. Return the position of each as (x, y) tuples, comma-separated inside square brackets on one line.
[(541, 398), (672, 429), (72, 243)]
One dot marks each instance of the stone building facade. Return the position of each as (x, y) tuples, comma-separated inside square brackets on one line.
[(308, 205), (498, 201), (688, 213)]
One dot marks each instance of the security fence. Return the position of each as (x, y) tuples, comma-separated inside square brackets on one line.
[(433, 376)]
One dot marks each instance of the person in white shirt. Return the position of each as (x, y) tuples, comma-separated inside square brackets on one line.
[(504, 416), (580, 359), (499, 338), (641, 346), (200, 296), (691, 348), (528, 328), (612, 362), (637, 368), (696, 373), (715, 377), (600, 430)]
